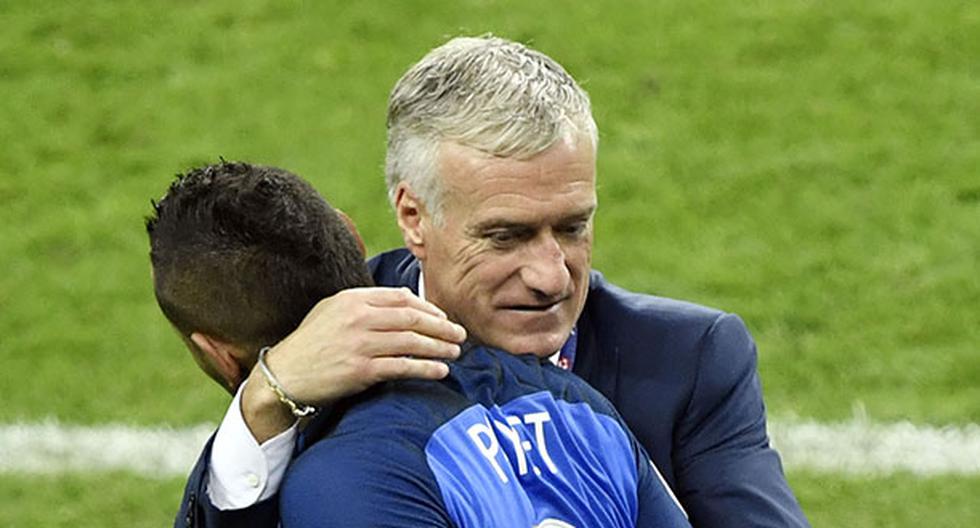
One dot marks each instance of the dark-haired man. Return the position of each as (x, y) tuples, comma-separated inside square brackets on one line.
[(491, 172), (229, 233), (240, 253), (239, 257)]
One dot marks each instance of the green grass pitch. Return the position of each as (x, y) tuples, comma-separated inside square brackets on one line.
[(811, 166)]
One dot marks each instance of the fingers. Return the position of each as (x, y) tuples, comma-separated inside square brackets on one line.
[(376, 322), (414, 320), (397, 297), (386, 369), (408, 343), (400, 309)]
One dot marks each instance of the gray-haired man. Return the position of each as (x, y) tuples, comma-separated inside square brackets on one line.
[(491, 171)]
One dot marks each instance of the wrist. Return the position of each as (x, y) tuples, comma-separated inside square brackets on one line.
[(264, 414), (297, 408)]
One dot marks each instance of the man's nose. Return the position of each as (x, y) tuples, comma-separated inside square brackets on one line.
[(546, 271)]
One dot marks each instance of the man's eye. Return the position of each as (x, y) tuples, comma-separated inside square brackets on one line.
[(576, 229), (501, 237)]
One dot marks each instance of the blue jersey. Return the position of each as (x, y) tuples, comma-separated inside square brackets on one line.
[(504, 440)]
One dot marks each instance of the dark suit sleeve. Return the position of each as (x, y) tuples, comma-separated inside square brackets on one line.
[(197, 511), (724, 466)]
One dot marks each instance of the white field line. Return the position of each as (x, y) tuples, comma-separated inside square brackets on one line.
[(858, 447), (50, 447)]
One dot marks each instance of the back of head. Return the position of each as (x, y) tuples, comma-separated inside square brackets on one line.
[(242, 252), (487, 93)]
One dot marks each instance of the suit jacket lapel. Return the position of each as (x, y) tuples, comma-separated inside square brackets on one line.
[(596, 366)]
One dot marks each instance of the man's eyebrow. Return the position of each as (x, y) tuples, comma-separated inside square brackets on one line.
[(500, 223), (495, 223), (584, 214)]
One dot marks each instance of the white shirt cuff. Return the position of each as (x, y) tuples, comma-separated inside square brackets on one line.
[(242, 472)]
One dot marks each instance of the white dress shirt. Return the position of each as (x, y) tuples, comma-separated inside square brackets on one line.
[(242, 472)]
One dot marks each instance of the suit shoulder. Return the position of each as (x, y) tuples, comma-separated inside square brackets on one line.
[(389, 257), (648, 330), (645, 311), (394, 268)]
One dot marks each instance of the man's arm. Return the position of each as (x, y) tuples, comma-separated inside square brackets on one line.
[(347, 343), (197, 510), (726, 472)]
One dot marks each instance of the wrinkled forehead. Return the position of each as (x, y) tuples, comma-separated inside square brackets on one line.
[(457, 160), (559, 180)]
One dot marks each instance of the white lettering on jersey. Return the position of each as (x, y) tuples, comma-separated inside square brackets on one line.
[(515, 439), (538, 420), (488, 445), (490, 448)]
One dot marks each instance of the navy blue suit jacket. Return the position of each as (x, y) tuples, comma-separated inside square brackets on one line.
[(682, 376)]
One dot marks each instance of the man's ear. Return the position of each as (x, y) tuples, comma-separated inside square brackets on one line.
[(353, 230), (412, 219), (223, 359)]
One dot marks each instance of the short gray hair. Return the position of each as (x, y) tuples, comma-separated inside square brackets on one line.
[(486, 93)]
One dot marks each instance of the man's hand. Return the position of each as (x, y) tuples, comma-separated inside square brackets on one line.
[(346, 344)]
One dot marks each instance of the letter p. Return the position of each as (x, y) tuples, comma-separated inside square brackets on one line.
[(482, 435)]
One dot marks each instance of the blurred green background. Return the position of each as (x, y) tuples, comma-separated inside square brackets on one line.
[(811, 166)]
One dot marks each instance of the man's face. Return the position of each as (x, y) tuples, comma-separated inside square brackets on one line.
[(511, 259)]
